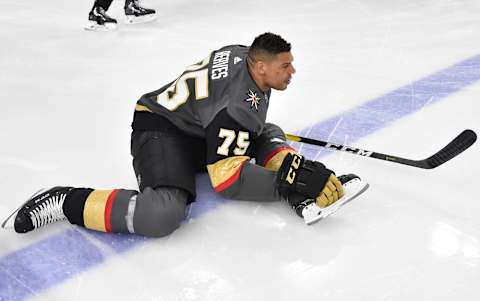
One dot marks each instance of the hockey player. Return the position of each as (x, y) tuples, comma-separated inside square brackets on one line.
[(134, 12), (211, 118)]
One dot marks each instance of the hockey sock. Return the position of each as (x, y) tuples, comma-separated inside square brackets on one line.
[(105, 4), (101, 210)]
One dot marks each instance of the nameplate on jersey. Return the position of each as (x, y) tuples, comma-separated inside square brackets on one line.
[(220, 64)]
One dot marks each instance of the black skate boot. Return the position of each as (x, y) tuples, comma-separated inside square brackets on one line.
[(138, 14), (42, 208), (98, 20), (353, 186)]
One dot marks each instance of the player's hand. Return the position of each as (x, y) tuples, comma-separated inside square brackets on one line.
[(332, 191), (299, 179)]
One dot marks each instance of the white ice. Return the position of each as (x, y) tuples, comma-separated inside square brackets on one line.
[(67, 98)]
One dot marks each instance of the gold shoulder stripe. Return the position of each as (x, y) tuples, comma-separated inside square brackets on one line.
[(142, 108), (223, 170)]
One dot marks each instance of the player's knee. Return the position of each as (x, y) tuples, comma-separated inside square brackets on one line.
[(273, 131), (159, 212), (159, 224)]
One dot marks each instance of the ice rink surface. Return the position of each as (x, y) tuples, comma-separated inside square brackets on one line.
[(398, 77)]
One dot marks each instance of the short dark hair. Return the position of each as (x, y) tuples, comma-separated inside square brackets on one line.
[(268, 44)]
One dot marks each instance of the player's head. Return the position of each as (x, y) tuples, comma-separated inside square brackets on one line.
[(270, 61)]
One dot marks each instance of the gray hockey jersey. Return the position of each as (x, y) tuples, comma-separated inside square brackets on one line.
[(221, 81), (217, 100)]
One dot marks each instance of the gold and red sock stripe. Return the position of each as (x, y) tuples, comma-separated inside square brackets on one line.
[(98, 209)]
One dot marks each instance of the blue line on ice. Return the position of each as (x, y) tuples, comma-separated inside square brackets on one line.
[(51, 261)]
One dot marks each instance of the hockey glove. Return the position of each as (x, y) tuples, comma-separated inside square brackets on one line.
[(299, 179)]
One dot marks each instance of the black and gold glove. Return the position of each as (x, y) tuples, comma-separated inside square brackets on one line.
[(299, 179)]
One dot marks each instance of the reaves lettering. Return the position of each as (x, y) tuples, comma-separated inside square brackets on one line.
[(220, 64)]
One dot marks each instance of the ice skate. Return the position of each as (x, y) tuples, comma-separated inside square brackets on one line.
[(98, 20), (135, 13), (43, 208), (312, 213)]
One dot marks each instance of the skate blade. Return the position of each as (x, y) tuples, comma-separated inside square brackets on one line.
[(93, 26), (353, 189), (9, 222), (142, 19)]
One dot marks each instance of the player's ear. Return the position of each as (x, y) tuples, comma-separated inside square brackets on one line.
[(261, 67)]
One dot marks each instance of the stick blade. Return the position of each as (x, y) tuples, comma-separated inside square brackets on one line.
[(463, 141)]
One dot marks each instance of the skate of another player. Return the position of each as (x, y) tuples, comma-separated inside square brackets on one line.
[(135, 13)]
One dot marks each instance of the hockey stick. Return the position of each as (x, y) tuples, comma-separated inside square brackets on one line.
[(453, 149)]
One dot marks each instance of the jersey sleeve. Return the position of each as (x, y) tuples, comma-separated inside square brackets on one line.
[(229, 149), (271, 147)]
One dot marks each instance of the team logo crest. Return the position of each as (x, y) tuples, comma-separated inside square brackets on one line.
[(253, 99)]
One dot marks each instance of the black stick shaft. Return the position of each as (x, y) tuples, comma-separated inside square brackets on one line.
[(453, 149)]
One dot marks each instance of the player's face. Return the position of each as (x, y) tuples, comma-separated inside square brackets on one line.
[(279, 71)]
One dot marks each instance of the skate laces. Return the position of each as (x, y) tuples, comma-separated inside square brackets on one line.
[(136, 7), (48, 211), (99, 11)]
